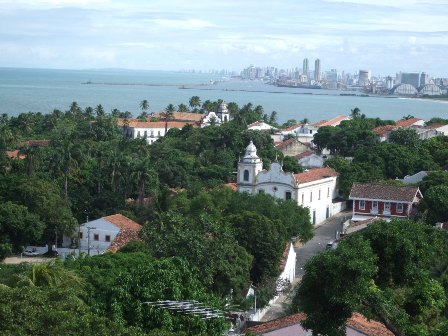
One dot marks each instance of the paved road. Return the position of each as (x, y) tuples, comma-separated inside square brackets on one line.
[(323, 234)]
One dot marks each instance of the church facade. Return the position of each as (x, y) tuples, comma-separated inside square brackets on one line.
[(315, 189)]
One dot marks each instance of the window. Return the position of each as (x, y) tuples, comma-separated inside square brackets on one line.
[(386, 206), (107, 238), (311, 196), (319, 195), (362, 205), (328, 192), (246, 175), (96, 236), (138, 134), (288, 195), (399, 207), (303, 199), (261, 191), (80, 235), (152, 133), (146, 134), (158, 133)]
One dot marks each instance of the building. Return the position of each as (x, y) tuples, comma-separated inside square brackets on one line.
[(317, 70), (315, 189), (306, 68), (291, 147), (108, 233), (411, 78), (260, 126), (222, 115), (179, 116), (383, 201), (150, 130), (356, 325), (424, 79), (364, 77)]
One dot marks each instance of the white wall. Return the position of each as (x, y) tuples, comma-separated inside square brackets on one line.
[(102, 228)]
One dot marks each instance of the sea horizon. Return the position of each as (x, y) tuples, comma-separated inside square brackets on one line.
[(43, 90)]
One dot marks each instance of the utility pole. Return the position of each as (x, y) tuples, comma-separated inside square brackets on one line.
[(88, 238)]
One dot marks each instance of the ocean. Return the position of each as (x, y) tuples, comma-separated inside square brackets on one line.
[(43, 90)]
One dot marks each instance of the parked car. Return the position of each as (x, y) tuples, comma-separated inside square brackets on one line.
[(51, 254), (332, 245), (30, 253)]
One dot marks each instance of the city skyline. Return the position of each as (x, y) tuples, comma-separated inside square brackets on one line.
[(408, 36)]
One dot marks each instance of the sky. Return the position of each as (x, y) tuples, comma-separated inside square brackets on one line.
[(385, 36)]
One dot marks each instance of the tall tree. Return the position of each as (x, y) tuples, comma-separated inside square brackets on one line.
[(195, 102)]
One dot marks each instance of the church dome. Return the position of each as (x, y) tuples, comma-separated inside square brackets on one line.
[(251, 151)]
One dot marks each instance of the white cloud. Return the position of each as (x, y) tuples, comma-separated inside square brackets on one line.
[(193, 24)]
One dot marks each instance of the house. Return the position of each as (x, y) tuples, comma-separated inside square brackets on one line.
[(150, 130), (416, 178), (332, 122), (260, 126), (382, 133), (106, 234), (310, 159), (315, 188), (291, 147), (357, 325), (409, 122), (383, 201)]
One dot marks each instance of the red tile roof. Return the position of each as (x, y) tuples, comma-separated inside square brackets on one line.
[(407, 122), (292, 128), (39, 143), (120, 122), (332, 122), (315, 174), (304, 154), (383, 192), (15, 154), (129, 230), (357, 322), (181, 116), (383, 130), (283, 144), (159, 124), (232, 185)]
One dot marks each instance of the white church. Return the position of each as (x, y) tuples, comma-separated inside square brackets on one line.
[(315, 189)]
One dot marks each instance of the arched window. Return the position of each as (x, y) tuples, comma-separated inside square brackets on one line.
[(288, 195), (246, 175)]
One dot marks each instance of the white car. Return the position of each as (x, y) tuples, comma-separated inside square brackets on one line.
[(30, 253)]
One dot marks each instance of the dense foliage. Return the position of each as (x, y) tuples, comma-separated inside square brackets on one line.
[(394, 272)]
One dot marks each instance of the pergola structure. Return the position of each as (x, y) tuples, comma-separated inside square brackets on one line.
[(190, 307)]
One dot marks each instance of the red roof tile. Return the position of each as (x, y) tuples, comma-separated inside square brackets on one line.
[(383, 192), (232, 185), (181, 116), (357, 322), (332, 122), (129, 230), (383, 130), (292, 128), (159, 124), (315, 174), (407, 122), (304, 154), (15, 154)]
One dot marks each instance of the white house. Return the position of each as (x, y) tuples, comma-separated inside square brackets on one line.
[(260, 126), (150, 130), (315, 188), (108, 233)]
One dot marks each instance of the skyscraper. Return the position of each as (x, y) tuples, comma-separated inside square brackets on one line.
[(317, 70), (306, 68)]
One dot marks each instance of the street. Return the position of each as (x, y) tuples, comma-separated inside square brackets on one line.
[(324, 233)]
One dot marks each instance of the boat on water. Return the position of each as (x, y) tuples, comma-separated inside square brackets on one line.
[(300, 86)]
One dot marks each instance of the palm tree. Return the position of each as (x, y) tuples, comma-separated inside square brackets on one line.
[(142, 174), (167, 115), (355, 113), (304, 121), (195, 102), (144, 105), (182, 108), (74, 110), (99, 110)]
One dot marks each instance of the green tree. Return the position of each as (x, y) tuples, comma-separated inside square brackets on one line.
[(144, 105), (405, 136), (18, 227), (435, 204), (194, 102), (182, 108), (291, 165)]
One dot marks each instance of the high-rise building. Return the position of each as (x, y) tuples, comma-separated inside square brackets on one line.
[(424, 79), (306, 68), (412, 78), (364, 77), (317, 70)]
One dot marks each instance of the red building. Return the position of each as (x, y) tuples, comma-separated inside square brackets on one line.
[(384, 201)]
